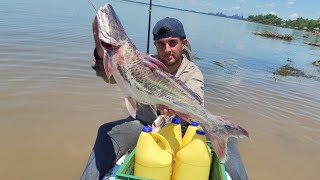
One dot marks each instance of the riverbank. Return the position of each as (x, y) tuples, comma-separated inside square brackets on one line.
[(306, 25)]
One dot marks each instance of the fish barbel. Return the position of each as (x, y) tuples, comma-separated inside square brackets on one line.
[(144, 79)]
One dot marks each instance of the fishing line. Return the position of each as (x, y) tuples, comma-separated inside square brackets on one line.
[(97, 14), (91, 3), (99, 18)]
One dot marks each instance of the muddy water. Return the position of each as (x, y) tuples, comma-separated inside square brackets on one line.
[(51, 102)]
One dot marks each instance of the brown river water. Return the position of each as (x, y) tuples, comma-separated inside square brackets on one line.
[(51, 102)]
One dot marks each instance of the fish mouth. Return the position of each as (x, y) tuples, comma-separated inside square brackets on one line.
[(107, 46), (107, 41), (108, 24), (110, 33)]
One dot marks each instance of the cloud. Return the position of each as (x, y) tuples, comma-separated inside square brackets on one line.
[(272, 12), (241, 1), (271, 5), (291, 2), (293, 16), (234, 8)]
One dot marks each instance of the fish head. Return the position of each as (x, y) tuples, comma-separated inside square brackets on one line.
[(110, 28), (111, 33)]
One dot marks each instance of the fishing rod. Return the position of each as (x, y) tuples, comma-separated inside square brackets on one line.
[(150, 7)]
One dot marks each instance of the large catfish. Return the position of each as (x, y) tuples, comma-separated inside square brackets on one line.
[(144, 79)]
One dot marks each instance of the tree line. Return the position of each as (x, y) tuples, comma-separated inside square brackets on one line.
[(299, 23)]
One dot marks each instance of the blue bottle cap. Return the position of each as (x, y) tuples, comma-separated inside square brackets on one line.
[(175, 120), (194, 123), (146, 129), (201, 132)]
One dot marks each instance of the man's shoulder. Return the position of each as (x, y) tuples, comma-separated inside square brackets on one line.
[(189, 70), (189, 66)]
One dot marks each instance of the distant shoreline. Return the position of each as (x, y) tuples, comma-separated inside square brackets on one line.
[(220, 14)]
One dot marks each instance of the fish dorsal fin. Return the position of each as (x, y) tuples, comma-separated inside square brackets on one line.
[(153, 63), (186, 88), (193, 94), (131, 106)]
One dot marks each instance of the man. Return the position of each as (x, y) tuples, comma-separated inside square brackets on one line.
[(114, 139)]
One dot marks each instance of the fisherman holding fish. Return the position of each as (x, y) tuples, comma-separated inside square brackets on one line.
[(116, 138)]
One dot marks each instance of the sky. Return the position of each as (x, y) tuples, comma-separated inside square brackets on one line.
[(286, 9)]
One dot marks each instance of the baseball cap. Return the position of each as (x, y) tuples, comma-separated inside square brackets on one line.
[(168, 27)]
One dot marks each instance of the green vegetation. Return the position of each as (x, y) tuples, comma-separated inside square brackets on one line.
[(300, 23), (312, 44), (288, 70), (316, 63), (287, 37), (265, 19)]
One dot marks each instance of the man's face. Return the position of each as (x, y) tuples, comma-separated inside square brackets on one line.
[(170, 50)]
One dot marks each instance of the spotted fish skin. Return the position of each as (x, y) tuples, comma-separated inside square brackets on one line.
[(145, 80)]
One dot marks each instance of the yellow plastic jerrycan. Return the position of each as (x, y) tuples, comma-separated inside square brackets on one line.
[(172, 133), (151, 161), (191, 131), (193, 161)]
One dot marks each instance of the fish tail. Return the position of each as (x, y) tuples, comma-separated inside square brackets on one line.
[(219, 145), (219, 139)]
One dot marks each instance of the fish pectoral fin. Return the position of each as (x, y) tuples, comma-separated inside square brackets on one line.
[(191, 93), (107, 65), (219, 145), (154, 63), (131, 106)]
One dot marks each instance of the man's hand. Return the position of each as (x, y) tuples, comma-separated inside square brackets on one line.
[(160, 122), (95, 31), (164, 110)]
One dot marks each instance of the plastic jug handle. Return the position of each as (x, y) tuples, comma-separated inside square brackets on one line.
[(163, 140)]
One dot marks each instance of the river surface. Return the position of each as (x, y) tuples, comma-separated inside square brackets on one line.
[(52, 103)]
